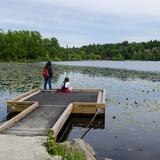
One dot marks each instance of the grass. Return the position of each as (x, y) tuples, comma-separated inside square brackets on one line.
[(63, 151)]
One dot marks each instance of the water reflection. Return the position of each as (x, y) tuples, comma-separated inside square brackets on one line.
[(81, 122), (153, 66), (115, 73), (133, 106), (132, 117)]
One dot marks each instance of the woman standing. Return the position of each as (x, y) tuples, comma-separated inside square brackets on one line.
[(47, 74)]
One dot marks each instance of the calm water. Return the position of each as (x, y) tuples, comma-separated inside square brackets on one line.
[(134, 133), (153, 66), (132, 118)]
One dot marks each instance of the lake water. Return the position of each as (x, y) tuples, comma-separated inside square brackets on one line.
[(132, 118), (135, 104), (153, 66)]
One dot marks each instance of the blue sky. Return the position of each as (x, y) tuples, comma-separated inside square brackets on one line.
[(84, 22)]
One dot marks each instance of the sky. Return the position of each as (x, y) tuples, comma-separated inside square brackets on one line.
[(77, 23)]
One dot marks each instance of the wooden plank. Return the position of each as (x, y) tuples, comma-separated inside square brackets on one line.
[(101, 96), (20, 103), (62, 119), (88, 104), (99, 99), (104, 98), (86, 90), (87, 107), (17, 106), (30, 95), (74, 90), (18, 117), (48, 90), (23, 95)]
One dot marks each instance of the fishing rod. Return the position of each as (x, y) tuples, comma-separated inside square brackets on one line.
[(66, 59)]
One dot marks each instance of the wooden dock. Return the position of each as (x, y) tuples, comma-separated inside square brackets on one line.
[(39, 110)]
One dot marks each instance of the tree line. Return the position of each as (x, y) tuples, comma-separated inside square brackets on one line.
[(31, 46)]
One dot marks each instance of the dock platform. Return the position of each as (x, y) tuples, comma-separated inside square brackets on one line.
[(39, 110)]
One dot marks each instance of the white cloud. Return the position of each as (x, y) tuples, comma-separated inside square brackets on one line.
[(132, 7), (86, 21)]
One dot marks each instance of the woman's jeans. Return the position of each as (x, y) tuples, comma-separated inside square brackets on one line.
[(47, 80)]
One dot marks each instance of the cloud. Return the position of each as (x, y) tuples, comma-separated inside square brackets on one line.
[(86, 21), (110, 6)]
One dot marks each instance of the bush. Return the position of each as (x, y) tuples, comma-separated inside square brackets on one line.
[(118, 57), (68, 154), (51, 143)]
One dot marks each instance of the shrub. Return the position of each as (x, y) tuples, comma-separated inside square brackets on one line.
[(54, 148)]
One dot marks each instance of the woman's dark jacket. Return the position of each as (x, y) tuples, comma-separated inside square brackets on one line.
[(49, 68)]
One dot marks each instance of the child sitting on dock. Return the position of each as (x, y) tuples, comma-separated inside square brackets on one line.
[(65, 87)]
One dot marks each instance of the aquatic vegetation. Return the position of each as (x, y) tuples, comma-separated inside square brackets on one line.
[(22, 77), (122, 74), (26, 76)]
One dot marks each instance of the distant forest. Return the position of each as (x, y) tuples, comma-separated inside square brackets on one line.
[(31, 46)]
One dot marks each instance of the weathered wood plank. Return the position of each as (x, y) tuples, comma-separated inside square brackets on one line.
[(62, 119), (23, 95), (18, 106), (30, 95), (18, 117), (87, 108), (101, 96), (75, 90), (86, 90), (99, 99), (104, 98)]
